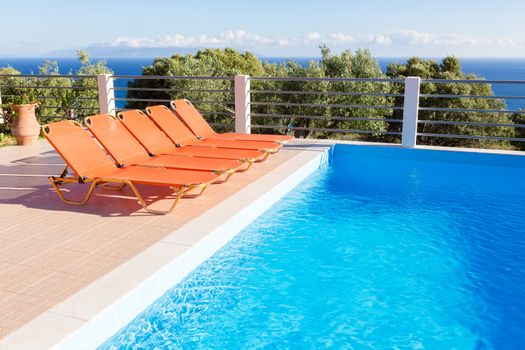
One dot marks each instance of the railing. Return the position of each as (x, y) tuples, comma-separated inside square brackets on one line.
[(219, 108), (338, 107), (58, 94), (494, 113), (388, 110)]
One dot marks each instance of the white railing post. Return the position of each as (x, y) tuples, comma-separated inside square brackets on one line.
[(106, 94), (410, 112), (242, 104), (1, 110)]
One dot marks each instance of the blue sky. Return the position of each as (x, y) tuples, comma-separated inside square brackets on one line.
[(274, 28)]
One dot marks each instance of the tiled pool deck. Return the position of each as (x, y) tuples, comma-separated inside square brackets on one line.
[(50, 251)]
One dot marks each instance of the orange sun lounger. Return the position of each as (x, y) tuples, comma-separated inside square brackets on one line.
[(126, 150), (90, 164), (175, 129), (200, 127), (156, 142), (163, 113)]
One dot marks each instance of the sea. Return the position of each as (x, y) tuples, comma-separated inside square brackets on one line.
[(488, 68)]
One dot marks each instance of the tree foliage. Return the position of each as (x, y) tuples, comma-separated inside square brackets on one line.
[(215, 97), (59, 95)]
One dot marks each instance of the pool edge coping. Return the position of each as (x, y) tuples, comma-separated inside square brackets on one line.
[(95, 313)]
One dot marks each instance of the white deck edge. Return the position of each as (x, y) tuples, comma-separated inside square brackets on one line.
[(97, 312), (422, 147)]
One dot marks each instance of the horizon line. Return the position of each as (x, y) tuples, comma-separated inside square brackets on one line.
[(265, 57)]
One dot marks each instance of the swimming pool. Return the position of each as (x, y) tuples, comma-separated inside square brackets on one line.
[(384, 248)]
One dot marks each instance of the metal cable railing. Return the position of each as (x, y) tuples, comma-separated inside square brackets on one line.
[(59, 96), (471, 81), (474, 137), (331, 130), (324, 105), (171, 90), (494, 122), (354, 108), (37, 87), (169, 77), (329, 79), (46, 76), (472, 96), (214, 96), (329, 93), (331, 117), (468, 110)]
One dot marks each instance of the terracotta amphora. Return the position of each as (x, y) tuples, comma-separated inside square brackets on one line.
[(25, 127)]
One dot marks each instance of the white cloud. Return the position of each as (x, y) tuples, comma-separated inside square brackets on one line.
[(411, 38), (396, 42), (341, 38), (229, 38), (417, 39), (312, 36)]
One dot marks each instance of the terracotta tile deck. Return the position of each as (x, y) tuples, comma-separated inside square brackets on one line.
[(50, 250)]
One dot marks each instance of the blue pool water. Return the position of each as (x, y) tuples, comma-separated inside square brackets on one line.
[(384, 249)]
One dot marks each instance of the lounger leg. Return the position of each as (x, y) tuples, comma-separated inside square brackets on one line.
[(142, 202), (57, 182), (230, 174), (226, 173), (266, 155), (202, 188), (249, 162), (64, 172), (113, 188), (271, 150)]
